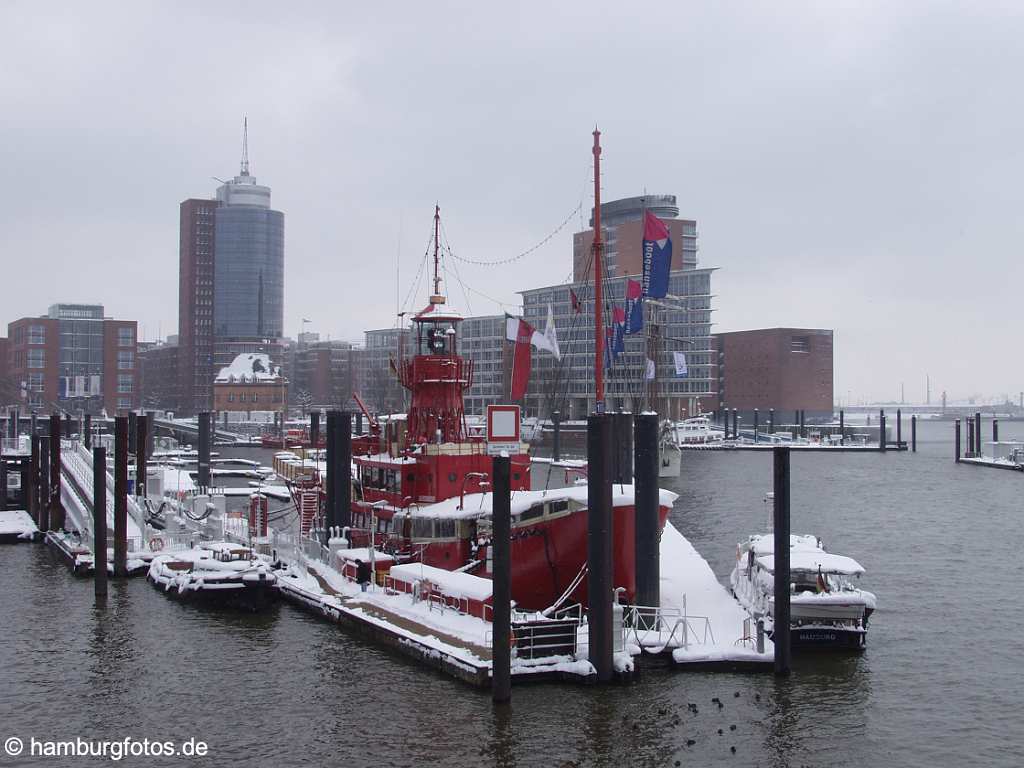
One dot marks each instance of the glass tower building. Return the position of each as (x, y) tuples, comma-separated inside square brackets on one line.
[(249, 263)]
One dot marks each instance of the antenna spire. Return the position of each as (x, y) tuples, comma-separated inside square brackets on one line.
[(245, 146), (437, 227)]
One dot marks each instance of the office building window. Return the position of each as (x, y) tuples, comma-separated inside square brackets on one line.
[(35, 382), (124, 402), (37, 358), (125, 384), (126, 337), (125, 360)]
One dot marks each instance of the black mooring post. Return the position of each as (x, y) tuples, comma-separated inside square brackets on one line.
[(977, 433), (735, 424), (781, 636), (87, 432), (150, 433), (501, 577), (899, 428), (15, 423), (881, 430), (33, 478), (314, 430), (3, 481), (132, 431), (647, 548), (803, 429), (121, 496), (556, 436), (68, 428), (956, 440), (203, 474), (56, 507), (34, 423), (756, 416), (623, 437), (332, 477), (842, 428), (771, 421), (359, 422), (343, 488), (141, 457), (969, 451), (43, 499), (913, 433), (599, 544), (995, 430), (99, 520)]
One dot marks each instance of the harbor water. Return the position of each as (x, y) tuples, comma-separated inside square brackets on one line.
[(938, 685)]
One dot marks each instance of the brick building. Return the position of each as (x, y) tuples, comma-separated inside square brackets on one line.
[(75, 358), (159, 378), (787, 369), (250, 383), (195, 367), (325, 373)]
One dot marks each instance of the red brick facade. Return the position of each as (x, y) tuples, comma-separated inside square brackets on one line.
[(787, 369)]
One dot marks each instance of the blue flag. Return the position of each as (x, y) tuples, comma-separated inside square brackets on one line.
[(657, 257), (634, 307)]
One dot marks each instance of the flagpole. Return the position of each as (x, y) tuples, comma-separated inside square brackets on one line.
[(598, 256)]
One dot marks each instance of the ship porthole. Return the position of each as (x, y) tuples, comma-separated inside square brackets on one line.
[(515, 475), (451, 477)]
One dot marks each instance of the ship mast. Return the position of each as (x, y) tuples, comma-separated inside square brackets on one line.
[(437, 298), (598, 257)]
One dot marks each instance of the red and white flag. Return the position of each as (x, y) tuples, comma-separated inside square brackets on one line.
[(521, 332)]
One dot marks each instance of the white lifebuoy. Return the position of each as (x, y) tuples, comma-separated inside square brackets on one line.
[(156, 544)]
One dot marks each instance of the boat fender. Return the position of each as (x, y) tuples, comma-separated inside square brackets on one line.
[(156, 544)]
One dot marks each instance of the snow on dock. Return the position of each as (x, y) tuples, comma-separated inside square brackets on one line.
[(16, 525), (716, 628)]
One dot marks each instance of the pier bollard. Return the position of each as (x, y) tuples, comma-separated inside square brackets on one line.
[(203, 474), (121, 496), (913, 433), (781, 636), (33, 478), (99, 518), (87, 433), (995, 430), (141, 457), (623, 447), (771, 421), (881, 430), (755, 425), (956, 441), (56, 508), (899, 428), (599, 544), (43, 498), (314, 430), (556, 436), (501, 635), (646, 498), (977, 433)]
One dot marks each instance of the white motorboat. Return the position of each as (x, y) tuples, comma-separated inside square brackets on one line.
[(826, 609), (697, 432)]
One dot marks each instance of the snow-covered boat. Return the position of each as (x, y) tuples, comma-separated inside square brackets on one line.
[(826, 609), (217, 573), (696, 432)]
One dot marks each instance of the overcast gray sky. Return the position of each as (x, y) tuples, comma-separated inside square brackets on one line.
[(854, 166)]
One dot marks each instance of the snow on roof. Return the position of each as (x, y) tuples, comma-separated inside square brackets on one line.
[(479, 504), (250, 367), (363, 553), (811, 561), (448, 582)]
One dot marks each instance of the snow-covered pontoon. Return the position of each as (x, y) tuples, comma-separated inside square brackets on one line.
[(826, 609)]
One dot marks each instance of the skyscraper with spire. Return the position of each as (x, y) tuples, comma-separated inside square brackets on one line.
[(231, 281)]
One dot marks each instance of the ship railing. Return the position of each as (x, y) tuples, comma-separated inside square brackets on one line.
[(648, 625)]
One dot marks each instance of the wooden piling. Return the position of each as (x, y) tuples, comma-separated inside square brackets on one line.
[(755, 425), (899, 428), (781, 616), (501, 634), (87, 434), (646, 502), (842, 428), (622, 434), (735, 424), (203, 466), (599, 544), (977, 433), (956, 441), (99, 517), (314, 430), (330, 520), (343, 444), (771, 421), (881, 430), (33, 478), (121, 496), (995, 430), (913, 433), (56, 507), (141, 454), (43, 499)]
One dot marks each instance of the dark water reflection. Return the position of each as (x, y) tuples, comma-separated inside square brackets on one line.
[(940, 684)]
